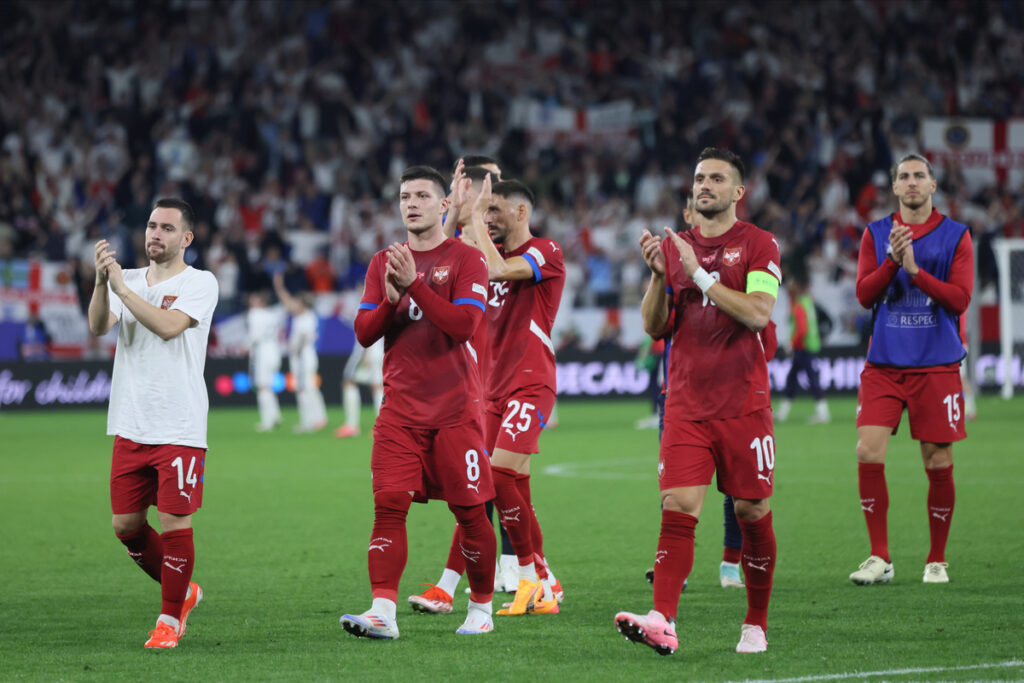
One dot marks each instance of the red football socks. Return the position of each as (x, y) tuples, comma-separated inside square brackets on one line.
[(389, 546), (178, 561), (874, 501), (673, 561), (731, 555), (514, 513), (758, 567), (478, 547), (456, 562), (144, 546), (941, 497), (536, 535)]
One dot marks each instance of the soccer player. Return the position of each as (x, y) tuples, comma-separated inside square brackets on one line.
[(527, 275), (158, 404), (302, 359), (805, 343), (364, 366), (916, 272), (732, 542), (470, 173), (265, 327), (426, 297), (714, 288)]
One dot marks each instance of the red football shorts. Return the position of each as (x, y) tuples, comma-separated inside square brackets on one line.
[(741, 450), (514, 423), (449, 463), (166, 474), (934, 402)]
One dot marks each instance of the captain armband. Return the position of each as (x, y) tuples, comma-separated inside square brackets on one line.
[(760, 281)]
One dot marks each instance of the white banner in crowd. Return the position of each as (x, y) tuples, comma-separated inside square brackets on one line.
[(988, 151)]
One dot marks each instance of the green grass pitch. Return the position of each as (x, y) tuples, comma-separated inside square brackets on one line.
[(282, 536)]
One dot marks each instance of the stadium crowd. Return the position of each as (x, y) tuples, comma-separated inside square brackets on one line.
[(286, 124)]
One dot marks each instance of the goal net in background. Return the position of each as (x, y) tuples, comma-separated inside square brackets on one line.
[(1010, 261)]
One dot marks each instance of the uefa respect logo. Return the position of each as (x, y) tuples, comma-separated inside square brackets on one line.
[(241, 383)]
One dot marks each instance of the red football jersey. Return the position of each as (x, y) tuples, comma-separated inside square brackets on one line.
[(717, 368), (520, 314), (430, 380)]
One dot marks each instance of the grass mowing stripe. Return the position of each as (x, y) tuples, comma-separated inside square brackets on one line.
[(890, 672)]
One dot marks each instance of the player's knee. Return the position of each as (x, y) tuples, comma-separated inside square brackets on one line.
[(391, 504), (868, 452), (471, 516), (750, 510), (126, 524)]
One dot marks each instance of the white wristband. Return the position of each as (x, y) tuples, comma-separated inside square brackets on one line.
[(703, 279)]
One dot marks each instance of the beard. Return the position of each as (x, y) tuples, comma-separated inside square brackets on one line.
[(914, 203), (160, 254), (496, 234), (715, 208)]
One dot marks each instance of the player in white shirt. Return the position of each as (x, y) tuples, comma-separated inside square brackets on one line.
[(158, 404), (266, 325), (364, 366), (302, 359)]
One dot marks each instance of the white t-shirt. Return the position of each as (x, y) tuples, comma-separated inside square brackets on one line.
[(158, 394), (265, 327), (305, 327)]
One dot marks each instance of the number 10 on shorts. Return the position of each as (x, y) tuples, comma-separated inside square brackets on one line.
[(765, 449)]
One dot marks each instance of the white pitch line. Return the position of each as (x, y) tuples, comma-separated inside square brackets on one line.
[(1013, 663)]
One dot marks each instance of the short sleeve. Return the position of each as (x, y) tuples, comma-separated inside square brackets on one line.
[(765, 255), (116, 305), (546, 259), (198, 296)]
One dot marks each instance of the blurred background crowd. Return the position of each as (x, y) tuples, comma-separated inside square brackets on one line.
[(287, 124)]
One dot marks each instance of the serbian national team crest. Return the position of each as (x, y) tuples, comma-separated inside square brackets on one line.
[(166, 303), (731, 257), (440, 275)]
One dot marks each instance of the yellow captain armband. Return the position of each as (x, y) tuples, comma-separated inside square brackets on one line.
[(760, 281)]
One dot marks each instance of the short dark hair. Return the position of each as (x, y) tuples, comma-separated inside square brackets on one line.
[(725, 155), (476, 160), (478, 173), (425, 173), (188, 216), (514, 188), (913, 156)]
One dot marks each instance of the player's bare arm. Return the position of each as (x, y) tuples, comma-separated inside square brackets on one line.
[(499, 269), (654, 309), (291, 303), (751, 309), (456, 198), (165, 324), (101, 319)]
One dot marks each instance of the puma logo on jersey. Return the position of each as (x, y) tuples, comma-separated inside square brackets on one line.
[(511, 433), (380, 544), (178, 568), (707, 259), (766, 477), (475, 487), (187, 495)]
